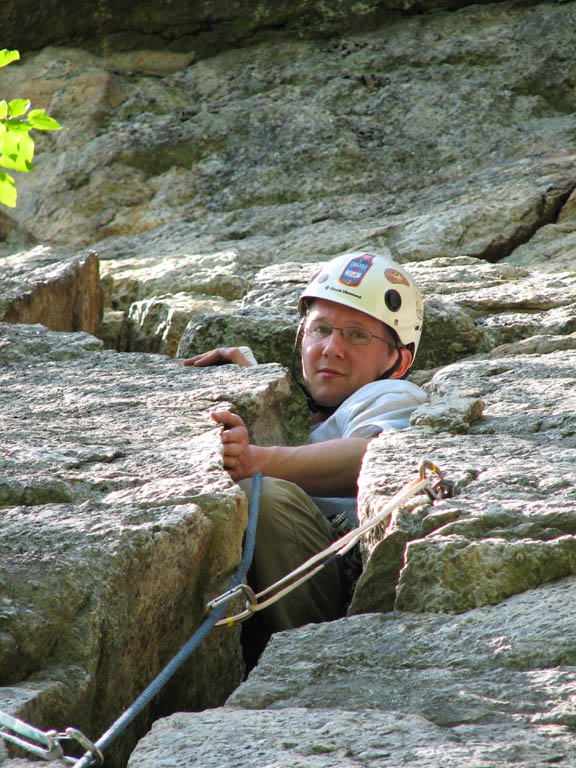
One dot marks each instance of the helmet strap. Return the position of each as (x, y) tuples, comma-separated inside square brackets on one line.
[(393, 368), (398, 362)]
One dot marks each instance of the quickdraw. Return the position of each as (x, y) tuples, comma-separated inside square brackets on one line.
[(439, 489), (45, 744)]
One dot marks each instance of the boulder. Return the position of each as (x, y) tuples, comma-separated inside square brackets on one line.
[(119, 523), (488, 687), (63, 295), (503, 430)]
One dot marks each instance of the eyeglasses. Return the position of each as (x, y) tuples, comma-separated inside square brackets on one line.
[(358, 337)]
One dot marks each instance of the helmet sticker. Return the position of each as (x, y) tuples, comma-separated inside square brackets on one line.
[(355, 271), (394, 276), (314, 276)]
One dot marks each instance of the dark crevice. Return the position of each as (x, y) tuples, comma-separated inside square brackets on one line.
[(553, 200)]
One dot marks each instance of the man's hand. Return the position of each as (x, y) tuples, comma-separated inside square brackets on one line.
[(238, 355), (237, 453), (329, 468)]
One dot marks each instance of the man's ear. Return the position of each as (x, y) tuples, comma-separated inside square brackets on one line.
[(406, 358)]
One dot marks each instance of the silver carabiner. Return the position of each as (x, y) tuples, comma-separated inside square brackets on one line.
[(225, 597), (84, 741)]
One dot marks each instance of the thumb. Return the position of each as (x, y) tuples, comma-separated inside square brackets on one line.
[(227, 419)]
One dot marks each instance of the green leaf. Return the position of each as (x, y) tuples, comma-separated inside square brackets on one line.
[(18, 107), (3, 110), (26, 147), (8, 192), (13, 125), (16, 163), (41, 121), (7, 57), (18, 145)]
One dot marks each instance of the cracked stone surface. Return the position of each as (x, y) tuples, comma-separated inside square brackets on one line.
[(119, 523), (186, 203)]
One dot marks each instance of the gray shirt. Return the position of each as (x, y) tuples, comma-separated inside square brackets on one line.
[(372, 409)]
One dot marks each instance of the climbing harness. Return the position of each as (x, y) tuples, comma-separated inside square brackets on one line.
[(439, 489), (47, 744)]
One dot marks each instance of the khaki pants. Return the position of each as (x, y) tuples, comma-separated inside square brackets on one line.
[(291, 529)]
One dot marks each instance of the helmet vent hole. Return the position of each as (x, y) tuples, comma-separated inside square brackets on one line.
[(393, 300)]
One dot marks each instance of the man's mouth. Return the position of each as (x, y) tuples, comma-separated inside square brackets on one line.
[(330, 373)]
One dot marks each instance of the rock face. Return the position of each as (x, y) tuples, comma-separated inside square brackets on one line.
[(509, 527), (188, 201), (118, 525), (493, 684), (434, 135), (205, 27), (490, 687), (62, 296)]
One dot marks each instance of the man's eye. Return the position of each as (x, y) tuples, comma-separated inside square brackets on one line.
[(356, 334), (322, 330)]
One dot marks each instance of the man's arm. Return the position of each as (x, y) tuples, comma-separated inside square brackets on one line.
[(328, 468), (239, 355)]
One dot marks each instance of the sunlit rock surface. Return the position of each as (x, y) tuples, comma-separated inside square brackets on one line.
[(204, 183), (119, 523)]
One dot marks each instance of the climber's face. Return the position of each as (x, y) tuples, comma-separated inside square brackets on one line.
[(336, 363)]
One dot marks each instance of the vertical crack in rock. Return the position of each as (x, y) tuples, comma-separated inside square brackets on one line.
[(547, 211)]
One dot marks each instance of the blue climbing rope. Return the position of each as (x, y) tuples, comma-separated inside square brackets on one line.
[(90, 758)]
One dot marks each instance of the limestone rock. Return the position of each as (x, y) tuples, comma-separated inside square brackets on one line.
[(118, 524), (491, 686), (467, 574), (112, 329), (448, 334), (208, 27), (13, 237), (300, 148), (487, 305), (514, 475), (215, 274), (449, 414), (270, 333), (157, 324), (535, 345), (159, 298), (552, 247), (63, 295)]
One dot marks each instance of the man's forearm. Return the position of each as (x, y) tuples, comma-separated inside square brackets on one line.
[(329, 468)]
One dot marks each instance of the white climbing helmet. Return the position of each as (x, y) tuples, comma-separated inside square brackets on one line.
[(374, 284)]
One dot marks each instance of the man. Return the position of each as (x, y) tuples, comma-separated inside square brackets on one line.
[(361, 321)]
